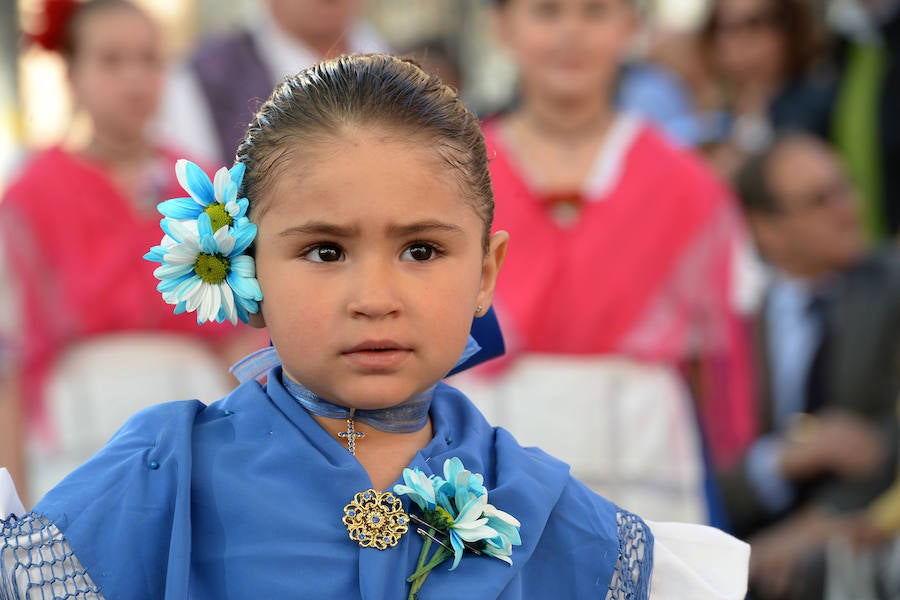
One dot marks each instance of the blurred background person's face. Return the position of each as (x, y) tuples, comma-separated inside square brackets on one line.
[(318, 22), (747, 41), (116, 70), (566, 48), (816, 229)]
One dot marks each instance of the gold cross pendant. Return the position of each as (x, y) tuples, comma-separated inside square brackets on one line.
[(351, 434)]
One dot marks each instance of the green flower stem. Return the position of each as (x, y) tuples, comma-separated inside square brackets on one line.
[(426, 548), (439, 557), (423, 568)]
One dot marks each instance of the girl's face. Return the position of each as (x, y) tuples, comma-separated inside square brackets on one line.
[(372, 267), (748, 43), (566, 48), (117, 69)]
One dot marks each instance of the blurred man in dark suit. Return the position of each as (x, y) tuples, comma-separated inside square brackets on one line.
[(828, 339)]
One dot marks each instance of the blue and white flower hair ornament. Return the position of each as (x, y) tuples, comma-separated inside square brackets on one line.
[(203, 267)]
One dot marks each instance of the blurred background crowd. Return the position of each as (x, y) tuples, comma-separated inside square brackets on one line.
[(702, 297)]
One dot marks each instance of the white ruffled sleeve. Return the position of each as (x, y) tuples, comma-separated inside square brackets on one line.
[(697, 562), (9, 499)]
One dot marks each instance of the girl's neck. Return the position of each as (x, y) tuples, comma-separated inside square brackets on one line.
[(383, 455)]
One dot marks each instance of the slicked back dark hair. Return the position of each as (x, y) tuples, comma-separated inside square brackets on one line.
[(379, 90)]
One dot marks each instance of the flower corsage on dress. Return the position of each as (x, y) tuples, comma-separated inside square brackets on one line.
[(457, 517)]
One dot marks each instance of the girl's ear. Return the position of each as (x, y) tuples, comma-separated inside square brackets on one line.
[(490, 267)]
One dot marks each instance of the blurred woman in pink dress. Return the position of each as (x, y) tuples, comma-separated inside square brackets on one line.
[(617, 298), (75, 220)]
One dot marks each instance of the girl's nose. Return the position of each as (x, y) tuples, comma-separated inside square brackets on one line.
[(373, 292)]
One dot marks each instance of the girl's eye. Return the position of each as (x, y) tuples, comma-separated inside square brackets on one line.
[(546, 9), (324, 253), (419, 251), (596, 9)]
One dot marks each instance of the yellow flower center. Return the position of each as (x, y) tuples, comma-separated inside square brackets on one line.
[(218, 216), (439, 518), (211, 268)]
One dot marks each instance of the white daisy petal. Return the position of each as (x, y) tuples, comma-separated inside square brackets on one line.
[(224, 241), (212, 299), (168, 271), (220, 183), (228, 303), (187, 288), (193, 298), (180, 255), (187, 231)]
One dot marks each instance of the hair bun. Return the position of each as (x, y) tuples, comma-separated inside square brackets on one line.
[(50, 29)]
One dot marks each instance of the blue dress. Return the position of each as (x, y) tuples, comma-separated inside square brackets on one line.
[(244, 499)]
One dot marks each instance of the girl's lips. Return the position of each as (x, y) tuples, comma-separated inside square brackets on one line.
[(381, 355), (376, 346), (377, 360)]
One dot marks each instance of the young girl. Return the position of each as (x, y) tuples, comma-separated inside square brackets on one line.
[(73, 219), (353, 470), (619, 304)]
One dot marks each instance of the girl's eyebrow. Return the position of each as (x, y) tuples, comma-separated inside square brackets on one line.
[(423, 227), (334, 230), (320, 228)]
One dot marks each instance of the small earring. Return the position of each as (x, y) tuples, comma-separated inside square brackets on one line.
[(478, 310)]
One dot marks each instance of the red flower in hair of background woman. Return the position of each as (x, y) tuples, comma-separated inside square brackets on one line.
[(50, 26)]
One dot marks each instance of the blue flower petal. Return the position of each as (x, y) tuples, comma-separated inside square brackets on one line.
[(419, 488), (207, 241), (180, 208), (506, 531), (196, 182), (244, 234), (180, 307), (156, 254), (246, 287), (237, 174), (458, 548), (246, 304), (241, 312), (243, 266)]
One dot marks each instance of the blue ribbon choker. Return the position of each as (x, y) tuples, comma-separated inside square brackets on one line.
[(408, 417)]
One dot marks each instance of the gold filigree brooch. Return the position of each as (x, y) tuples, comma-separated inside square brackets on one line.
[(375, 519)]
